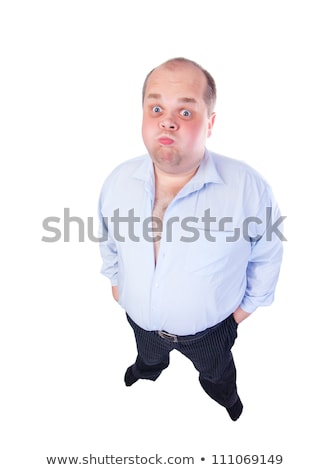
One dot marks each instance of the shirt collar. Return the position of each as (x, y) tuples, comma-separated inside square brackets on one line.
[(207, 173), (145, 172)]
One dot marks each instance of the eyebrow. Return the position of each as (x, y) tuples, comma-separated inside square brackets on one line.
[(157, 96)]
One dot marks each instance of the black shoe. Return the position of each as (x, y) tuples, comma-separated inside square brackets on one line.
[(235, 410), (129, 378)]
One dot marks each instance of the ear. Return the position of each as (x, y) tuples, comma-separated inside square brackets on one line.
[(211, 123)]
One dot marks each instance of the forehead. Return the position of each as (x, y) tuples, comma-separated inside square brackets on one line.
[(177, 79)]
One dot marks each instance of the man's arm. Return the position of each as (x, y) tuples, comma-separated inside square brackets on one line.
[(266, 256), (108, 252)]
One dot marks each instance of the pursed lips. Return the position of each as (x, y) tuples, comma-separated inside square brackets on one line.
[(165, 140)]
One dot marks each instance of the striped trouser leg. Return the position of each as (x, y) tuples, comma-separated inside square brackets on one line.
[(153, 353), (212, 357)]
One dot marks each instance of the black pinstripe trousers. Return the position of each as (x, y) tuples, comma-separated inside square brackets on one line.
[(209, 351)]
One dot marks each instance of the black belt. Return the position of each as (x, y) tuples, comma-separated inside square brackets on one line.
[(177, 339), (170, 337)]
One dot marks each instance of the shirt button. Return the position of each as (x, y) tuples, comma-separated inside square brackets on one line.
[(156, 284)]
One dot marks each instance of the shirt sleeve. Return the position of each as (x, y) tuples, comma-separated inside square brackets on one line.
[(108, 249), (266, 255)]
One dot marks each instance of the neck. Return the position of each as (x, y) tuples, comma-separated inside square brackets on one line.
[(173, 180)]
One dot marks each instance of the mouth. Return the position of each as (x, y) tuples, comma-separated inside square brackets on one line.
[(165, 140)]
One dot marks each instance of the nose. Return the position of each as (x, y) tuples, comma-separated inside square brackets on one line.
[(168, 124)]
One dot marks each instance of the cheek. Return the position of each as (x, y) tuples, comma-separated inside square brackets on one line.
[(147, 128), (195, 132)]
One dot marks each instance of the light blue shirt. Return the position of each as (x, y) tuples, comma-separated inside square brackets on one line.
[(221, 244)]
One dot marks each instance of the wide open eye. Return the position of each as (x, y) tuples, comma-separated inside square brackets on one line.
[(156, 109), (185, 113)]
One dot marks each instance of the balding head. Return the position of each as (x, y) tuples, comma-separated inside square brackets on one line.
[(174, 64)]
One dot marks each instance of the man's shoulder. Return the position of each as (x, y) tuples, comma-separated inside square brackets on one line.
[(128, 168), (131, 165), (226, 165), (235, 171)]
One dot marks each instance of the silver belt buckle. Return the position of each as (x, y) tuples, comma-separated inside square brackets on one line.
[(168, 336)]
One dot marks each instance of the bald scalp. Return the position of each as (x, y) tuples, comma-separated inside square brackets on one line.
[(173, 64)]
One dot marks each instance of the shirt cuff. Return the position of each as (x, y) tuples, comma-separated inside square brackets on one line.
[(247, 305)]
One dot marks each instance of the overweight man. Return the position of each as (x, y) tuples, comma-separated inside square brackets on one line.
[(191, 240)]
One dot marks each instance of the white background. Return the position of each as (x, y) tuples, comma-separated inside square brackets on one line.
[(71, 77)]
